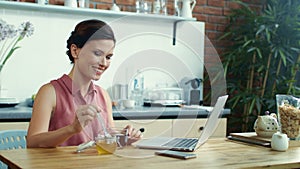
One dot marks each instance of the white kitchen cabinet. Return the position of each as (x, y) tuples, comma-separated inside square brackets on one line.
[(174, 127), (14, 125), (155, 127)]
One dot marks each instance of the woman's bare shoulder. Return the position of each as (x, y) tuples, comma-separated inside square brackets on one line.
[(47, 88), (46, 95)]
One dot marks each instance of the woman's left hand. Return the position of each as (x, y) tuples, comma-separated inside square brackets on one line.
[(133, 134)]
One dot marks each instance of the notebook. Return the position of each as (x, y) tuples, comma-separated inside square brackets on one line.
[(187, 144)]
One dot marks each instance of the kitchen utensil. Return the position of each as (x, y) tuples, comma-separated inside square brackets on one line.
[(139, 6), (193, 90), (176, 8), (128, 103), (164, 97), (84, 146), (8, 102), (187, 8), (115, 7), (156, 7), (101, 121), (147, 6), (81, 3), (120, 92), (163, 4)]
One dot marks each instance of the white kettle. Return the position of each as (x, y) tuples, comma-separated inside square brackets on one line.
[(115, 7), (187, 8), (280, 142)]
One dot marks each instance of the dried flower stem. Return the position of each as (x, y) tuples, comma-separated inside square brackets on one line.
[(12, 49), (8, 31)]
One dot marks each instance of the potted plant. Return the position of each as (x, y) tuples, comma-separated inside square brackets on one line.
[(262, 60)]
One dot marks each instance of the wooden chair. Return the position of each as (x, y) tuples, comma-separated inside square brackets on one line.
[(12, 139)]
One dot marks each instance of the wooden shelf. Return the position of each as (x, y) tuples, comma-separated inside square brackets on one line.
[(34, 7)]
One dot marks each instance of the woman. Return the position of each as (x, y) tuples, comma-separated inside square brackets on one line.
[(64, 110)]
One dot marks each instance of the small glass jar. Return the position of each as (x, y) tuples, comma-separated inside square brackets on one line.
[(289, 115)]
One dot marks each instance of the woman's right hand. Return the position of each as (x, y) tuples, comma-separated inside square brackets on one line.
[(84, 115)]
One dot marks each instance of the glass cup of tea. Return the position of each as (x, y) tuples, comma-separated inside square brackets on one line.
[(113, 139)]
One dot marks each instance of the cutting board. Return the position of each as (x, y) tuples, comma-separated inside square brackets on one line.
[(252, 138)]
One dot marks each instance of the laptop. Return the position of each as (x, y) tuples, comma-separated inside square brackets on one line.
[(187, 144)]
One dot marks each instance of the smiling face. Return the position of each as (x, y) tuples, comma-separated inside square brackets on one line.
[(94, 58)]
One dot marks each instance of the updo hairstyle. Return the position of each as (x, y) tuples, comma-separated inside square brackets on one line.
[(89, 30)]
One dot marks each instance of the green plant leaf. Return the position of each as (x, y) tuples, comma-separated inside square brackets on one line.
[(262, 56)]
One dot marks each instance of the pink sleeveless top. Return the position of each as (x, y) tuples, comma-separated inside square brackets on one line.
[(67, 103)]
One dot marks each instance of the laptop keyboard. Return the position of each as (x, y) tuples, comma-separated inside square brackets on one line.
[(182, 143)]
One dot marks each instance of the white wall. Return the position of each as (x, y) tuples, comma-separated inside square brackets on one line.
[(142, 44)]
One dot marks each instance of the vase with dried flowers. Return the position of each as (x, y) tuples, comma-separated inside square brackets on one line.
[(10, 36)]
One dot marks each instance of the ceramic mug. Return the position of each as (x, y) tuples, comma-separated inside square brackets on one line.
[(128, 103), (280, 142)]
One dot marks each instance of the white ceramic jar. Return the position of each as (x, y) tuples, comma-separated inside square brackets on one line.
[(280, 142)]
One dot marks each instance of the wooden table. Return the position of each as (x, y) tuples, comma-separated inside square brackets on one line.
[(216, 153)]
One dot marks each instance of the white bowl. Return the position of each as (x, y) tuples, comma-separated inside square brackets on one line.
[(128, 103)]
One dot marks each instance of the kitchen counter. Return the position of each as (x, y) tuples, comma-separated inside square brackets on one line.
[(15, 114), (23, 113)]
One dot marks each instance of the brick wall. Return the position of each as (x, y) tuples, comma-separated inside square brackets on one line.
[(214, 13)]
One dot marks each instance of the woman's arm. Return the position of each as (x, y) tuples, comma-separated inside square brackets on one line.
[(38, 135), (44, 104)]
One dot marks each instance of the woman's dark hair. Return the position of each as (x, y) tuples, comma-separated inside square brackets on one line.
[(89, 30)]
